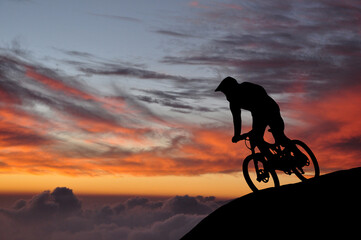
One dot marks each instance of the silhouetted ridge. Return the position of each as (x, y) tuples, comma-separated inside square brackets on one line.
[(319, 207)]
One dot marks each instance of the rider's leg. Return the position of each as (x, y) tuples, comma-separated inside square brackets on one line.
[(258, 128), (277, 125)]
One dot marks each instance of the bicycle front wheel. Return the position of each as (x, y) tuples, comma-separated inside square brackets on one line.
[(311, 170), (257, 175)]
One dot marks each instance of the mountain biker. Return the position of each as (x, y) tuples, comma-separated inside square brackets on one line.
[(265, 112)]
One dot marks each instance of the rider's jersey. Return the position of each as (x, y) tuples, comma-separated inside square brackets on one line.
[(254, 98)]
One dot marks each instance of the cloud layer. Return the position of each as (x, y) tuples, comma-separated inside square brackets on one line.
[(59, 215)]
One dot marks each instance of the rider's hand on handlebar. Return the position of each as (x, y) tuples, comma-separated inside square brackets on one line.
[(237, 138), (244, 136)]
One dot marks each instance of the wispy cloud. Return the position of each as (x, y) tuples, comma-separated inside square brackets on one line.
[(42, 108), (271, 43), (215, 5), (173, 33), (117, 17), (197, 4), (182, 101), (54, 123)]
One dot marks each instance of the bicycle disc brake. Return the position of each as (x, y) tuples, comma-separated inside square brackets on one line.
[(308, 162), (263, 176)]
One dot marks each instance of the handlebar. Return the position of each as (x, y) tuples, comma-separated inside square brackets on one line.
[(245, 136)]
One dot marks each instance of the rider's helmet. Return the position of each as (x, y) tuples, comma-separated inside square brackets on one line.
[(229, 83)]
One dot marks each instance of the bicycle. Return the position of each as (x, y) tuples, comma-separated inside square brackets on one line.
[(283, 159)]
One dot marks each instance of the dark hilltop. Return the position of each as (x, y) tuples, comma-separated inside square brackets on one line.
[(329, 206)]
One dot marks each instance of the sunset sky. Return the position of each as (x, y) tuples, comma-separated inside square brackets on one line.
[(117, 97)]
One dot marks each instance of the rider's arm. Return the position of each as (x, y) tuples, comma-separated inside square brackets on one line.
[(237, 120)]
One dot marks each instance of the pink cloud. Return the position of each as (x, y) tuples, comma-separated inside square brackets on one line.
[(197, 4)]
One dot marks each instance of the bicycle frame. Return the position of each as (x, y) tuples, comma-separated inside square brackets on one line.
[(274, 148)]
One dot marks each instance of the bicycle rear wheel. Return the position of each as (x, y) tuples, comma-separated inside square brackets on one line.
[(311, 170), (257, 175)]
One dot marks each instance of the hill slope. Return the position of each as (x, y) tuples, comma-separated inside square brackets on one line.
[(319, 207)]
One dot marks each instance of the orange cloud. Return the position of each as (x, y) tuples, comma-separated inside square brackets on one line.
[(331, 126), (82, 133), (56, 84), (205, 151)]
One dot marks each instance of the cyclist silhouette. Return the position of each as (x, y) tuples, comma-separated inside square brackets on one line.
[(265, 112)]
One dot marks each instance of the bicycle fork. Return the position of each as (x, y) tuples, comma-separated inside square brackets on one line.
[(262, 173)]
